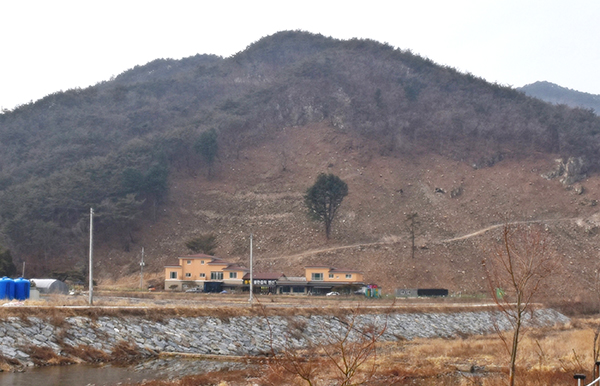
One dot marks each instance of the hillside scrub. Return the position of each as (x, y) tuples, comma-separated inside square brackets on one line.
[(123, 144)]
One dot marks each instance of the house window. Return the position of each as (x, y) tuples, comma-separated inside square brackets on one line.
[(189, 261), (202, 275), (348, 276), (331, 275), (317, 276), (233, 275), (187, 274), (202, 262), (216, 275), (173, 275)]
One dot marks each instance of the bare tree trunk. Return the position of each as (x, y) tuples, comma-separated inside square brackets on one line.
[(514, 348), (517, 268)]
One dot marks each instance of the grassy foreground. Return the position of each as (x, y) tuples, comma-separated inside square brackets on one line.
[(546, 356)]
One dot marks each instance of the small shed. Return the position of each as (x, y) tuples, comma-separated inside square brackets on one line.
[(51, 286), (420, 292), (406, 293)]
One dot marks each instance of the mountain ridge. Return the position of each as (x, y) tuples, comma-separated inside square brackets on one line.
[(553, 93)]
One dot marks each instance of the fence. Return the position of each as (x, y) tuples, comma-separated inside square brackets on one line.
[(581, 377)]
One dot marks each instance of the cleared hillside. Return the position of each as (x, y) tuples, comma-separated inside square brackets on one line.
[(256, 195)]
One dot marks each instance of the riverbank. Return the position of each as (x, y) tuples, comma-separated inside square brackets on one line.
[(91, 334)]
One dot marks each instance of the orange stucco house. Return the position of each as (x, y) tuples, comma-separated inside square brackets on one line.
[(323, 278), (207, 272), (212, 274)]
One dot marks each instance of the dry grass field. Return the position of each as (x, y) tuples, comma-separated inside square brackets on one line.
[(548, 356)]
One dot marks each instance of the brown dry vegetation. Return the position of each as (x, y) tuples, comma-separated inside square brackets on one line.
[(86, 354), (370, 234), (548, 356), (45, 356), (124, 353), (7, 364)]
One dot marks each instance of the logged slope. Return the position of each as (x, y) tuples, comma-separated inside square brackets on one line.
[(255, 194), (393, 125)]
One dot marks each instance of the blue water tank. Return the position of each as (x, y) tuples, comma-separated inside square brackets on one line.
[(7, 288), (3, 284), (10, 291), (22, 288)]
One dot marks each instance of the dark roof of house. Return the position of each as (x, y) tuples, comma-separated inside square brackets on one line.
[(235, 267), (212, 261), (217, 261), (199, 256), (345, 270), (333, 269)]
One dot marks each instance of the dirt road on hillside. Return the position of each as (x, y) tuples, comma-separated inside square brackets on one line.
[(393, 240), (484, 230)]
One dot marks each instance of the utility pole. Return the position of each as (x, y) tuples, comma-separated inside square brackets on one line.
[(251, 278), (142, 270), (91, 284)]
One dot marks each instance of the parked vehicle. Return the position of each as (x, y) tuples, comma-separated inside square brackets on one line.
[(332, 293), (361, 291), (195, 290)]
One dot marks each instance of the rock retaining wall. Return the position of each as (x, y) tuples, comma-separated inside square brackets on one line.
[(242, 335)]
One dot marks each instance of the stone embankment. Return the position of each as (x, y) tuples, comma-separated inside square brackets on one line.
[(239, 335)]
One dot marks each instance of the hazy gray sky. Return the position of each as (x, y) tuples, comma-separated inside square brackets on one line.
[(48, 46)]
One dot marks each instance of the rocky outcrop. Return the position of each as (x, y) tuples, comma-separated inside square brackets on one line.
[(242, 335), (569, 172)]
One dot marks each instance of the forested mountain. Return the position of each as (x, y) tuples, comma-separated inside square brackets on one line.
[(556, 94), (122, 145)]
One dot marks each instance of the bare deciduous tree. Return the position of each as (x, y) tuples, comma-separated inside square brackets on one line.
[(592, 281), (353, 352), (516, 269), (345, 349)]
